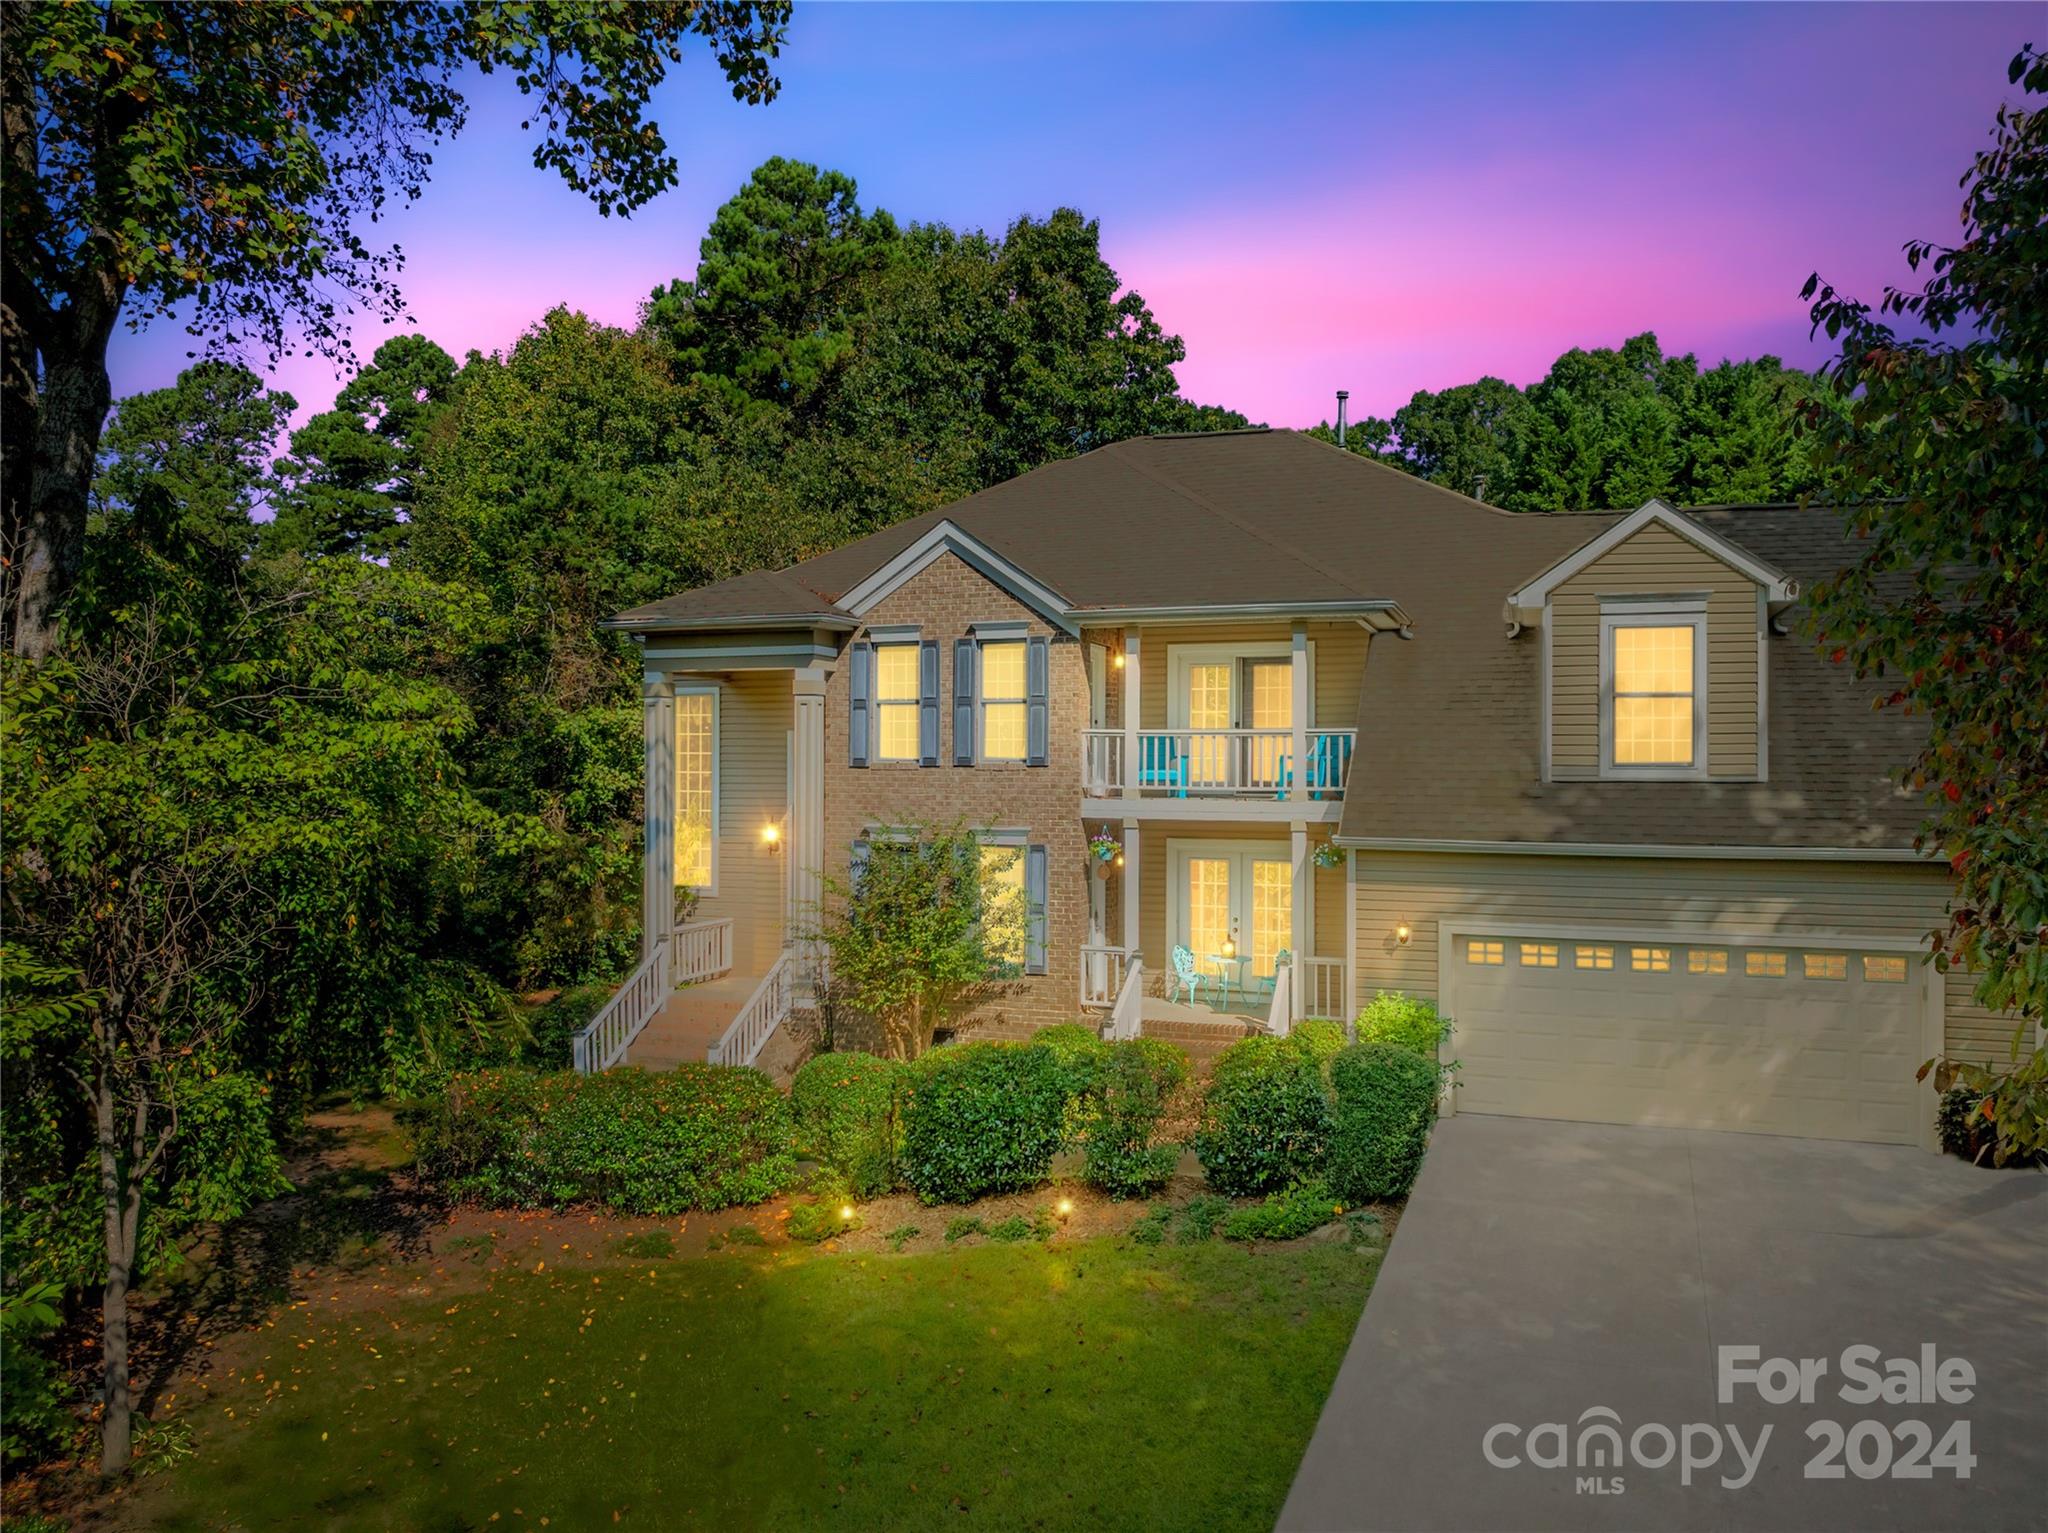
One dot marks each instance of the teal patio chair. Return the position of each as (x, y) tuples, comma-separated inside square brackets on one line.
[(1185, 975), (1161, 764), (1262, 984)]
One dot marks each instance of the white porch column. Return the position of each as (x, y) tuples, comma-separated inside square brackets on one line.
[(1131, 885), (806, 850), (658, 862), (1130, 704), (1299, 676), (1299, 914), (1351, 944)]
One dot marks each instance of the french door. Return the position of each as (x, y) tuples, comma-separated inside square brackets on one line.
[(1233, 898), (1217, 700)]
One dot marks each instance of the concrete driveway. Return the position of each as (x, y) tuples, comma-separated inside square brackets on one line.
[(1543, 1271)]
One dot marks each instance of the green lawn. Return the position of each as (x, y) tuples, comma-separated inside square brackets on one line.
[(1086, 1385)]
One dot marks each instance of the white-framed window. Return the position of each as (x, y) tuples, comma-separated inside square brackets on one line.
[(1826, 965), (1653, 690), (1539, 955), (896, 702), (1764, 965), (1592, 956), (1706, 960), (1004, 700), (1650, 960), (1884, 969), (1482, 950), (1237, 703), (697, 788)]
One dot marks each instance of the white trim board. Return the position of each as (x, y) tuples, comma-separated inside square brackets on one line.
[(1222, 810), (1623, 849), (1526, 604), (943, 538), (1932, 1033)]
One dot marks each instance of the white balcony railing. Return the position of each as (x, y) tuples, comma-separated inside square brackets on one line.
[(1102, 973), (1204, 763), (1127, 1017), (703, 950), (1325, 991), (604, 1041), (766, 1009)]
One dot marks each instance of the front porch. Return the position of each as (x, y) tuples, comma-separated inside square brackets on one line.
[(687, 1004)]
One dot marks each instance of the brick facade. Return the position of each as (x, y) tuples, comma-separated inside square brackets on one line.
[(943, 600)]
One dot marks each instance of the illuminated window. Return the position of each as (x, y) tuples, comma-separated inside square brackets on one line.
[(1706, 960), (1653, 702), (1650, 960), (1884, 971), (1539, 955), (1002, 701), (1003, 906), (896, 702), (1764, 965), (696, 787), (1485, 952), (1827, 965), (1585, 957)]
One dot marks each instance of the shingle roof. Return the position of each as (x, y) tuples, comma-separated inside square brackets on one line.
[(1449, 719)]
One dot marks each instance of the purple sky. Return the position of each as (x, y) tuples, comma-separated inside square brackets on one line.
[(1314, 197)]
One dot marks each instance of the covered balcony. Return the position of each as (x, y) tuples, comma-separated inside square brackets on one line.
[(1216, 763)]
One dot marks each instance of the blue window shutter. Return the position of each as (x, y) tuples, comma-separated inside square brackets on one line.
[(1034, 905), (1037, 668), (857, 865), (928, 703), (860, 706), (964, 653)]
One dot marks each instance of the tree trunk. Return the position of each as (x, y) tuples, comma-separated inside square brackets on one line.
[(121, 1198), (46, 545)]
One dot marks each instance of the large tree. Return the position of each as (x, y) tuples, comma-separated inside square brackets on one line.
[(1941, 447), (220, 161)]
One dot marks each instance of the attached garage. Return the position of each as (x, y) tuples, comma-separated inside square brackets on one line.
[(1776, 1034)]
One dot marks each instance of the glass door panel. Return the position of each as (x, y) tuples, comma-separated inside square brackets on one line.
[(1209, 907), (1269, 704), (1271, 914), (1208, 709)]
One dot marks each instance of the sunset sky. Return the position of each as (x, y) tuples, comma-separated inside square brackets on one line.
[(1313, 197)]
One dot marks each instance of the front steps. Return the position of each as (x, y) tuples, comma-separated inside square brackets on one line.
[(693, 1019), (1202, 1039)]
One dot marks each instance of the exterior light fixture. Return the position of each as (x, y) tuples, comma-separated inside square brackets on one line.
[(846, 1214), (1119, 859), (771, 835), (1117, 661), (1066, 1207), (1402, 933)]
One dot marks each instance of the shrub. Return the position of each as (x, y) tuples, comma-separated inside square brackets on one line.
[(981, 1118), (1319, 1038), (1286, 1215), (32, 1390), (1151, 1230), (1406, 1021), (557, 1023), (698, 1136), (1266, 1123), (1200, 1218), (1133, 1081), (901, 1235), (962, 1226), (1960, 1123), (821, 1220), (1386, 1101), (845, 1111), (1080, 1051)]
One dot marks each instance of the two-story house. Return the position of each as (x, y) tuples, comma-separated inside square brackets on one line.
[(1572, 776)]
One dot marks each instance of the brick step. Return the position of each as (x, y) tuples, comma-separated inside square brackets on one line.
[(1220, 1033)]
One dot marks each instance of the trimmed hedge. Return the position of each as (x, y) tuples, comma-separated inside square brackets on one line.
[(981, 1118), (1289, 1215), (696, 1137), (1080, 1051), (1406, 1021), (1319, 1038), (1133, 1081), (845, 1111), (1386, 1102), (555, 1025), (1266, 1123)]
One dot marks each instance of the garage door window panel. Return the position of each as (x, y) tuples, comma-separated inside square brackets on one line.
[(1586, 957), (1764, 965), (1653, 691), (1827, 965), (1706, 960), (1879, 969)]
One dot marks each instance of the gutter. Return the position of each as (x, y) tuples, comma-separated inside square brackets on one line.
[(837, 622), (1611, 849), (1391, 613)]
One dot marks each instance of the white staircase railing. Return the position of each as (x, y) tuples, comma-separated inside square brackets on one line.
[(1280, 1015), (766, 1009), (703, 950), (604, 1042), (1127, 1019), (1325, 989), (1102, 973)]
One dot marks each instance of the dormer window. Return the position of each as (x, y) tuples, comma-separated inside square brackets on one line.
[(1653, 686)]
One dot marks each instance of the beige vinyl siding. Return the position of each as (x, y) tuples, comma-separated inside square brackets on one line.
[(1891, 900), (1157, 947), (1339, 665), (755, 714), (1655, 561)]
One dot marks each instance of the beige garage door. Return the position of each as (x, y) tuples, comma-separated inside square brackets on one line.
[(1815, 1041)]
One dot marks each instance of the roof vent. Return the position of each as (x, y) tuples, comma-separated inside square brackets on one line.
[(1343, 398), (1479, 488)]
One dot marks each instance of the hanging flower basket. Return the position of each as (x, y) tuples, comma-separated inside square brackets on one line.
[(1329, 855), (1104, 849)]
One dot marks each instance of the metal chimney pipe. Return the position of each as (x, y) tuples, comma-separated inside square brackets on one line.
[(1343, 395)]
